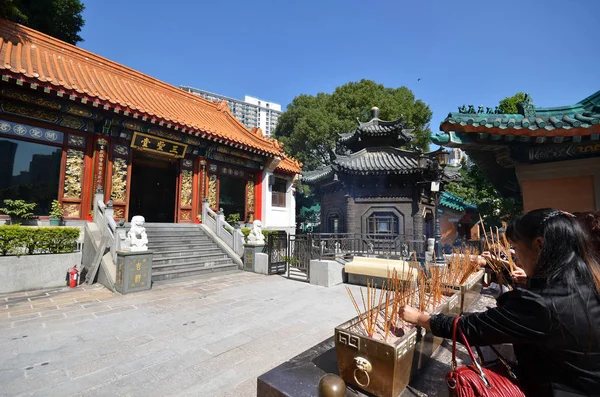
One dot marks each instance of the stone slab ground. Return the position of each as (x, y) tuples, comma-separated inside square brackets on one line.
[(202, 337)]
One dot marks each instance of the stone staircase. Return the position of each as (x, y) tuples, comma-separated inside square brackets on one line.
[(183, 250)]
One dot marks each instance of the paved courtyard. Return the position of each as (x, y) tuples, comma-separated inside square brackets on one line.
[(201, 337)]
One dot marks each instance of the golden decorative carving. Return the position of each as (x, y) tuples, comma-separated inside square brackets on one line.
[(185, 215), (79, 111), (132, 125), (76, 140), (119, 180), (36, 100), (212, 191), (187, 177), (119, 213), (71, 210), (250, 196), (122, 150), (37, 113), (73, 122), (73, 174)]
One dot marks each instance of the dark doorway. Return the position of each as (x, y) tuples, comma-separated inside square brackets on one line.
[(232, 196), (153, 188)]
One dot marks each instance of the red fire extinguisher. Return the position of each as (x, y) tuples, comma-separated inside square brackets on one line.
[(73, 277)]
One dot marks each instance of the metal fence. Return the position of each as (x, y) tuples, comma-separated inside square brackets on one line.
[(291, 255)]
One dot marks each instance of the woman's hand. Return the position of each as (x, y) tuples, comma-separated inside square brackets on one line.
[(413, 316), (519, 276)]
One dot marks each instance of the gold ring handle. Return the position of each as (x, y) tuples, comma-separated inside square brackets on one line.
[(358, 382)]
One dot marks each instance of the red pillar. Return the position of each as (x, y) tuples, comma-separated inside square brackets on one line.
[(258, 197)]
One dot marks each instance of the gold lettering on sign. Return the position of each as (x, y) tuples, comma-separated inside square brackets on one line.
[(73, 174), (589, 148), (145, 142), (138, 278), (138, 266), (160, 145)]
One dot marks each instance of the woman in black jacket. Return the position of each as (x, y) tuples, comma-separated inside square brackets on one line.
[(554, 323)]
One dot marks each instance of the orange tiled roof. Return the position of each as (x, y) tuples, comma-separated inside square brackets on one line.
[(289, 165), (40, 60)]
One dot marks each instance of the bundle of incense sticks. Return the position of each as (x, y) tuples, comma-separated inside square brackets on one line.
[(461, 267), (437, 284), (380, 308), (499, 247)]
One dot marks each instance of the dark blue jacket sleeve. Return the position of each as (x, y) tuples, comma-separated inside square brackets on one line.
[(520, 317)]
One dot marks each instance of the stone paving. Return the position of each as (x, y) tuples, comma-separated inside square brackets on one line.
[(208, 336), (202, 337)]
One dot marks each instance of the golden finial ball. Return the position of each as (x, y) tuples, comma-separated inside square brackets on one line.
[(332, 386)]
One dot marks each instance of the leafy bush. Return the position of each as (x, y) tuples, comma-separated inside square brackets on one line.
[(233, 219), (19, 240), (18, 210), (56, 210)]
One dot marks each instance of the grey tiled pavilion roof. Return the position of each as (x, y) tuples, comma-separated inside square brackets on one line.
[(377, 128), (371, 161)]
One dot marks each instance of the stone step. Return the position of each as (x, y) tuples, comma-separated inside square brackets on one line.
[(190, 262), (161, 254), (178, 238), (180, 242), (204, 276), (181, 246), (176, 234), (192, 271), (174, 260)]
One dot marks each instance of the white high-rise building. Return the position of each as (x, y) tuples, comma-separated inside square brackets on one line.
[(251, 111), (456, 156)]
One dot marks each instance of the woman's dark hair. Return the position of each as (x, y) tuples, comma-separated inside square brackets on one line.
[(566, 253), (590, 221)]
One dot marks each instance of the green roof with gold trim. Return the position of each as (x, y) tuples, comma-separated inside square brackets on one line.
[(572, 123)]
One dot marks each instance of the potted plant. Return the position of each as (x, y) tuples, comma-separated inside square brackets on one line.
[(56, 213), (90, 216), (18, 210), (234, 219)]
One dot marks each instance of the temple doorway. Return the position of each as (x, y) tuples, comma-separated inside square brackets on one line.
[(232, 196), (153, 188)]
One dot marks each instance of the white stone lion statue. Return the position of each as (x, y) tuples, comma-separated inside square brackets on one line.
[(256, 237), (137, 234)]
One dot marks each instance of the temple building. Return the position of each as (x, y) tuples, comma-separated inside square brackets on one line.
[(377, 185), (549, 156), (73, 123)]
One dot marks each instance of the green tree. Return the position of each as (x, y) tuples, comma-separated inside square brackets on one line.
[(475, 188), (509, 104), (58, 18), (311, 124)]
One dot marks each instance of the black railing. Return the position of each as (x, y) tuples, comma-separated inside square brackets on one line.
[(393, 246), (291, 255)]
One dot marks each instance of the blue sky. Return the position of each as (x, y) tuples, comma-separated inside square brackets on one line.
[(463, 51)]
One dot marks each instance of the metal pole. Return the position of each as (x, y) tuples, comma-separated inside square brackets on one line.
[(439, 254)]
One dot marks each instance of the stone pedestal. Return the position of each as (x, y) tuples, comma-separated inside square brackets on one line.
[(250, 251), (326, 273), (134, 271)]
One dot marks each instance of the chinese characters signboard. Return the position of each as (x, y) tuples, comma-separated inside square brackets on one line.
[(158, 145)]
